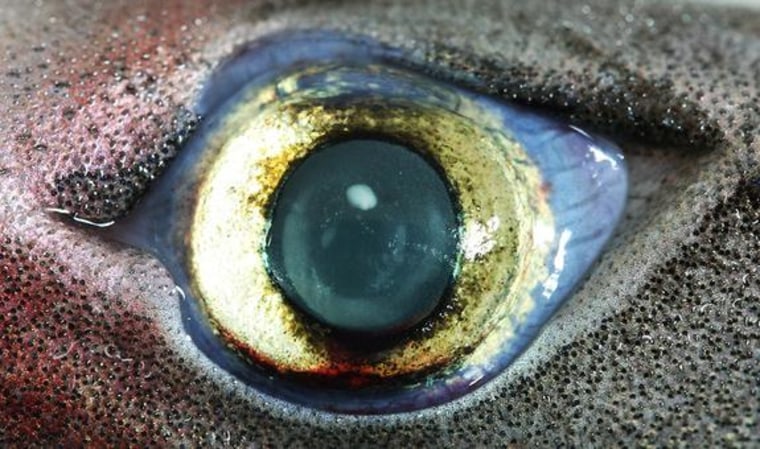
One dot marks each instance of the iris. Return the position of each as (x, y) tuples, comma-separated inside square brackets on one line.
[(354, 236)]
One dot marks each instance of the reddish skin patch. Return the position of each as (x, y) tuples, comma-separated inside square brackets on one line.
[(79, 366), (39, 394), (88, 100)]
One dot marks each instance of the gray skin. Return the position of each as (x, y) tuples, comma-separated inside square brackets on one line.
[(659, 347)]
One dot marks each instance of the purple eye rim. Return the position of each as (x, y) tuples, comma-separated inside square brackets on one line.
[(560, 151)]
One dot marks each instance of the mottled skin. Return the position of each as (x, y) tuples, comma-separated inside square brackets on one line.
[(659, 347)]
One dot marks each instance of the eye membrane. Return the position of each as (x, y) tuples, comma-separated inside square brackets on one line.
[(532, 203)]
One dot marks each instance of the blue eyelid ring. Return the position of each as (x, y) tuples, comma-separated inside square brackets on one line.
[(584, 179)]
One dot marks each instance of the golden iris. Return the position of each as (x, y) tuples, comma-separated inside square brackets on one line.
[(506, 226)]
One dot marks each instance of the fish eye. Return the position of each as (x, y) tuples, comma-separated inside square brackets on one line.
[(354, 236)]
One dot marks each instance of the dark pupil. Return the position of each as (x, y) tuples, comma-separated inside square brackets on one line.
[(363, 236)]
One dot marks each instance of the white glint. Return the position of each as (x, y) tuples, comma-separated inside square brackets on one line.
[(478, 238), (543, 234), (361, 196), (181, 293), (596, 152), (96, 224), (475, 376), (601, 156), (57, 210), (552, 282), (580, 131), (78, 219)]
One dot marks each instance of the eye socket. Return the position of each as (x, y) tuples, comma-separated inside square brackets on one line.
[(532, 202)]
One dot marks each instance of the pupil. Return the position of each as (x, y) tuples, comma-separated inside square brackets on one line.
[(363, 237)]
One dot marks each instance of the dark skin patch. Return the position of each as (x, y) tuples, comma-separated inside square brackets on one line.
[(109, 193)]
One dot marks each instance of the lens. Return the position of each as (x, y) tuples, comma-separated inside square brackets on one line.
[(363, 237)]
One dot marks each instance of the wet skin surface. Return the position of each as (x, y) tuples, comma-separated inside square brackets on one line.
[(660, 345)]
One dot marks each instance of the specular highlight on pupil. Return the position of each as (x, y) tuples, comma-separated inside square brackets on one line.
[(363, 236)]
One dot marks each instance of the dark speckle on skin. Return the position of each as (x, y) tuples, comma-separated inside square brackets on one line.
[(659, 347), (106, 194)]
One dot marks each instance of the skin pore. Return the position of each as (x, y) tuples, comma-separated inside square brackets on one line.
[(660, 345)]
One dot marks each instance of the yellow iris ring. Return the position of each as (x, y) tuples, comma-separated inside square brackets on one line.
[(271, 128)]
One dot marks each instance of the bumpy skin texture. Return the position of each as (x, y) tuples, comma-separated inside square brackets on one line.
[(659, 347)]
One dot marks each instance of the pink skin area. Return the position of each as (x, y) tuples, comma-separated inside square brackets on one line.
[(91, 348), (73, 337)]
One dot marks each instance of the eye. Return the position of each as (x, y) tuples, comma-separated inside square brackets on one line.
[(354, 236)]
